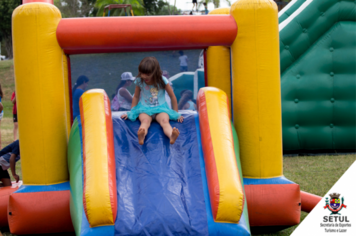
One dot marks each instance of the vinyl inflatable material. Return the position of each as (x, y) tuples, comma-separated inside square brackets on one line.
[(317, 47), (161, 187)]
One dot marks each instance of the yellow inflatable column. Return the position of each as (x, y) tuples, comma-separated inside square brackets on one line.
[(41, 93), (218, 63), (256, 88)]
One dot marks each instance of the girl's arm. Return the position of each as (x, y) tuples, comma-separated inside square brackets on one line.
[(126, 94), (135, 99), (173, 97), (136, 96)]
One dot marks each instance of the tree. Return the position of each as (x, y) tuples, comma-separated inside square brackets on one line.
[(215, 2), (153, 7), (76, 8), (137, 7), (169, 10), (6, 9)]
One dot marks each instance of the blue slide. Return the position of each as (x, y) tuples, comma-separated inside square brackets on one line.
[(162, 188)]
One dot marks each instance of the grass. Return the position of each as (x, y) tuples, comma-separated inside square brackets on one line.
[(314, 174), (7, 83)]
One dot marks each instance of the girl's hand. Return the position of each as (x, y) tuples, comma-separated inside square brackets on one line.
[(180, 119), (124, 116)]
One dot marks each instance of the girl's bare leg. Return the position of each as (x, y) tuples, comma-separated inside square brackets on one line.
[(145, 124), (163, 120)]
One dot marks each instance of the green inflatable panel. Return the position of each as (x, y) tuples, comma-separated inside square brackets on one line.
[(289, 9), (76, 176), (238, 161), (318, 77)]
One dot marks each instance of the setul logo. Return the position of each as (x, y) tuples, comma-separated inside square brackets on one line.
[(335, 206), (335, 222)]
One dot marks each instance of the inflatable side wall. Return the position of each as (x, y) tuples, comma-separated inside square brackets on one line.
[(317, 48), (289, 9), (91, 158), (257, 116), (91, 161), (44, 122)]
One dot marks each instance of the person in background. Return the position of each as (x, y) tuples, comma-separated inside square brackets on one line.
[(165, 74), (186, 101), (206, 8), (183, 61), (195, 4), (78, 90), (123, 98), (14, 114), (2, 111), (8, 158)]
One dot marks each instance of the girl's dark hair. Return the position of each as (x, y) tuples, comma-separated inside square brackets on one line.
[(150, 67), (185, 96), (81, 80), (1, 92), (122, 83)]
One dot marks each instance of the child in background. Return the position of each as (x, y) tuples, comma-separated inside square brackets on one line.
[(206, 8), (123, 98), (151, 85), (78, 90), (183, 61), (8, 158), (186, 101), (195, 4)]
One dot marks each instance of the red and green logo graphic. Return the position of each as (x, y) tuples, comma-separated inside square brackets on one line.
[(335, 205)]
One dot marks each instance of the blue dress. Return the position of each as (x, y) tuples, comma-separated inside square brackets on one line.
[(152, 101)]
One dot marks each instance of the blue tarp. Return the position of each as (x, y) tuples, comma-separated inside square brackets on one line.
[(160, 189)]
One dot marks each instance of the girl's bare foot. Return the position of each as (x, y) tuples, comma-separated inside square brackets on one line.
[(141, 135), (174, 136)]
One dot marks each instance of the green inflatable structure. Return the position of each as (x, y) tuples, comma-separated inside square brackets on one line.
[(318, 75)]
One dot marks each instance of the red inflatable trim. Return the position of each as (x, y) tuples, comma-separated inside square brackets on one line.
[(209, 158), (111, 157), (309, 201), (5, 193), (273, 204), (133, 34), (51, 208)]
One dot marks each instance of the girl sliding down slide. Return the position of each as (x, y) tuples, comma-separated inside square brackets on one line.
[(151, 85)]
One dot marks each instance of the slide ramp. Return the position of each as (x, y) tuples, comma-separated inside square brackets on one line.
[(159, 185), (193, 187)]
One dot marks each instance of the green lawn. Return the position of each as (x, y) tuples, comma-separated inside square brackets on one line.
[(7, 83), (314, 174)]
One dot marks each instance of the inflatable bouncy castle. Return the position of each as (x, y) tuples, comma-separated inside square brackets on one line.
[(224, 176), (317, 50)]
